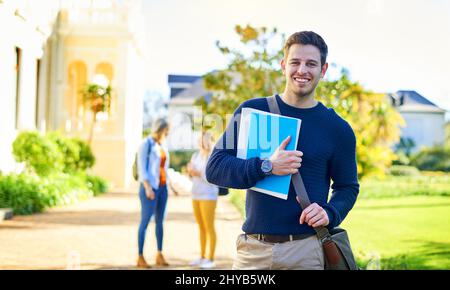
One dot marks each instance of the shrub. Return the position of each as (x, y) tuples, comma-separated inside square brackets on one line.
[(38, 153), (401, 159), (64, 189), (432, 159), (403, 170), (87, 159), (60, 165), (3, 201), (22, 193), (180, 158), (69, 149), (27, 194), (403, 151), (97, 184), (397, 186), (52, 153)]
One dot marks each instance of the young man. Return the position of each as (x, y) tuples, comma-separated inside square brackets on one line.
[(278, 234)]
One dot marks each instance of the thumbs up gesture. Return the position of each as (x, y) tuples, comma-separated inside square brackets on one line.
[(285, 162)]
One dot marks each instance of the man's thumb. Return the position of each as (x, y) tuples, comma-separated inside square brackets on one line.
[(284, 143)]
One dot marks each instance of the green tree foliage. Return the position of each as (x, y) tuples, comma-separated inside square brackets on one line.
[(38, 153), (436, 158), (69, 148), (52, 153), (87, 158), (254, 71), (374, 121), (27, 194), (179, 159), (250, 73), (403, 150), (447, 134)]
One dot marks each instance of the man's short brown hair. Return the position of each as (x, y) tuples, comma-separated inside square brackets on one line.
[(304, 38)]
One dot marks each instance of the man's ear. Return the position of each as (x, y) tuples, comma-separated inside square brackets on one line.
[(283, 66), (324, 69)]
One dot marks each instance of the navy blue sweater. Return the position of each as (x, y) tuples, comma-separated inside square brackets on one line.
[(328, 146)]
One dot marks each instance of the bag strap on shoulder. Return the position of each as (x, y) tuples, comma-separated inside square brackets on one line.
[(297, 181)]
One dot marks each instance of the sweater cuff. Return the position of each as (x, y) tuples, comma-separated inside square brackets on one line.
[(255, 169), (331, 217)]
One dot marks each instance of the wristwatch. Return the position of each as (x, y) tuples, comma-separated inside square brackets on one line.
[(266, 167)]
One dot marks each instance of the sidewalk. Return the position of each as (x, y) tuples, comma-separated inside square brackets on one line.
[(101, 233)]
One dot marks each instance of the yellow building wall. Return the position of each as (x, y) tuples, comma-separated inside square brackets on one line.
[(92, 52), (110, 161), (116, 137)]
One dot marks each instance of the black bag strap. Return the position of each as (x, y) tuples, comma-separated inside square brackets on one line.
[(297, 181)]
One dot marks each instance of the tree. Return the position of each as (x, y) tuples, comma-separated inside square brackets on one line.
[(447, 134), (373, 119), (255, 72), (250, 73), (403, 150), (98, 98)]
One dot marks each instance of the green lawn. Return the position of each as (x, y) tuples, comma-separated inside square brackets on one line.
[(427, 184), (392, 220), (406, 232)]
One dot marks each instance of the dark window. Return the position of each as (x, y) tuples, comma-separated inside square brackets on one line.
[(38, 70), (174, 92), (18, 69)]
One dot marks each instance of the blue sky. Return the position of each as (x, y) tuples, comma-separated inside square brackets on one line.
[(386, 45)]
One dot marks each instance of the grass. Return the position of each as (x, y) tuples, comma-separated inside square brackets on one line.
[(405, 232), (398, 222), (429, 184)]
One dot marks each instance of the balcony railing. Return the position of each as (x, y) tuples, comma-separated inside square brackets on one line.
[(97, 17), (96, 12)]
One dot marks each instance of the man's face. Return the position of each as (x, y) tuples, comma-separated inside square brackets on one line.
[(303, 70)]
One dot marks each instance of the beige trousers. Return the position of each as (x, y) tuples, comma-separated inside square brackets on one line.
[(252, 254)]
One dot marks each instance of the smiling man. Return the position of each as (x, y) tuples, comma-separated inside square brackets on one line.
[(277, 233)]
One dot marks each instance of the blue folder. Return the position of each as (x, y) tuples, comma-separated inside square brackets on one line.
[(260, 134)]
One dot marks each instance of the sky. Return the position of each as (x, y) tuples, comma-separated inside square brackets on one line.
[(387, 45)]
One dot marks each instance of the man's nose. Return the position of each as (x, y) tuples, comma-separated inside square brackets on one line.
[(302, 68)]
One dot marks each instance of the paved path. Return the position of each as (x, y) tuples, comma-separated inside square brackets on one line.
[(101, 233)]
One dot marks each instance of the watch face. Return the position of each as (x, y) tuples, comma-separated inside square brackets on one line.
[(266, 166)]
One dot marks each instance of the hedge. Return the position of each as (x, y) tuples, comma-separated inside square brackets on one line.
[(28, 194)]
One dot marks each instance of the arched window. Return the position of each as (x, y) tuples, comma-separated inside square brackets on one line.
[(103, 75), (105, 69), (77, 80)]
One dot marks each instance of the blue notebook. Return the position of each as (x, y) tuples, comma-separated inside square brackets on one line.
[(260, 134)]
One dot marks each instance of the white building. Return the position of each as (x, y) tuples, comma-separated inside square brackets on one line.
[(56, 48), (24, 29), (425, 122), (184, 91)]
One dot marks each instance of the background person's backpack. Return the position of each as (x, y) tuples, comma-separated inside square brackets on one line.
[(135, 165), (135, 170)]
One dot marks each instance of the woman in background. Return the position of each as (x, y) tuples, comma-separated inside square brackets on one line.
[(204, 200), (153, 162)]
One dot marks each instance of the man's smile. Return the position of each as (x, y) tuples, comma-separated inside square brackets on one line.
[(302, 80)]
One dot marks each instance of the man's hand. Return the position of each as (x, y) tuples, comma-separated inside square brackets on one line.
[(314, 215), (285, 162)]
